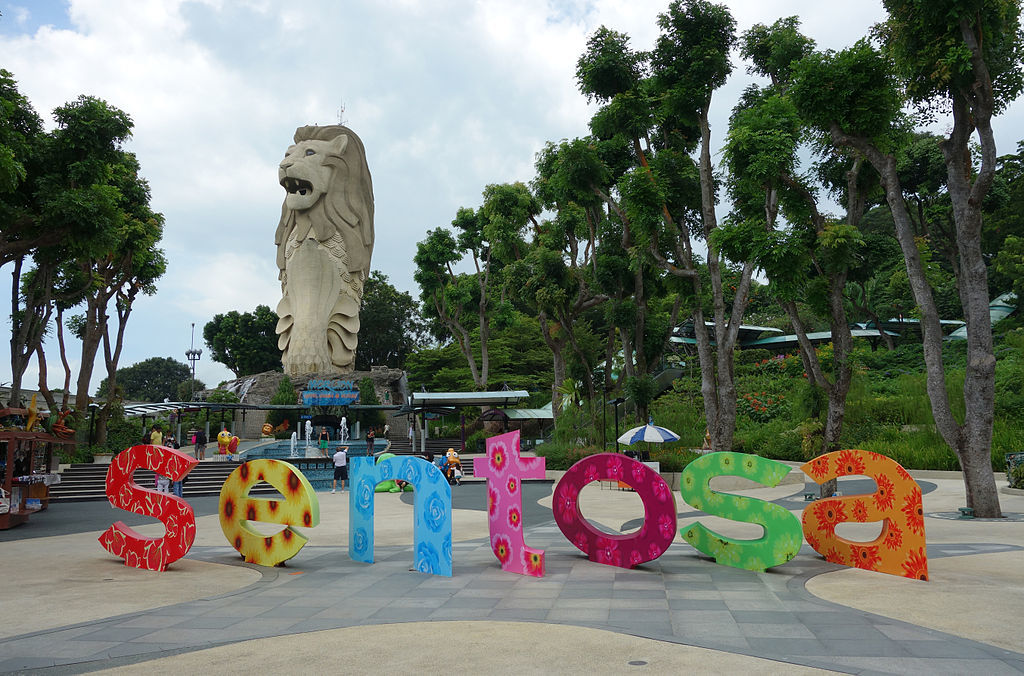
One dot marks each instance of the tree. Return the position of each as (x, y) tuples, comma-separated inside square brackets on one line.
[(812, 259), (187, 388), (154, 379), (491, 236), (665, 202), (390, 324), (964, 55), (556, 279), (20, 132), (244, 342)]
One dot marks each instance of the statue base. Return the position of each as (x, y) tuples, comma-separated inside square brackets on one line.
[(390, 385)]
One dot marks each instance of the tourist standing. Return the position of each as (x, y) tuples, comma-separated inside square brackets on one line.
[(340, 468), (201, 445), (322, 441), (371, 436), (156, 437)]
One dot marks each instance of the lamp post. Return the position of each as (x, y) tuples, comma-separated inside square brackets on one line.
[(193, 355), (92, 419), (617, 401)]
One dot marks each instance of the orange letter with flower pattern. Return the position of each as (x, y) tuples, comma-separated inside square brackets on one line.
[(177, 516), (237, 509), (900, 548)]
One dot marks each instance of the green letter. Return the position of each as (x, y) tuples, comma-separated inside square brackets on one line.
[(782, 536)]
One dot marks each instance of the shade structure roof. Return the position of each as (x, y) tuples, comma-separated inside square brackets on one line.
[(543, 413), (420, 400), (146, 409), (816, 337), (747, 333)]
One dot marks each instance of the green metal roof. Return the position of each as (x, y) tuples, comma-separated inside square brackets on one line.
[(816, 337), (498, 398)]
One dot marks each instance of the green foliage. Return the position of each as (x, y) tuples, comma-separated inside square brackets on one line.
[(368, 397), (925, 42), (772, 50), (641, 389), (752, 356), (153, 380), (284, 396), (561, 456), (852, 88), (1009, 262), (187, 388), (608, 67), (762, 407), (244, 342), (390, 324), (519, 358)]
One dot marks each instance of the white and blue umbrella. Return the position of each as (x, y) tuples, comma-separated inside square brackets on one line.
[(649, 432)]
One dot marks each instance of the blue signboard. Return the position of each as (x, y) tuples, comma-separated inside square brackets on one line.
[(330, 393)]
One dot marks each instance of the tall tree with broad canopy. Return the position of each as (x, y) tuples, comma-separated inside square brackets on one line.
[(660, 103), (555, 280), (21, 131), (964, 56), (814, 257), (153, 379), (390, 324), (245, 342), (491, 236)]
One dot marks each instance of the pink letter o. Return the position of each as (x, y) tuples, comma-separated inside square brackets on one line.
[(625, 551)]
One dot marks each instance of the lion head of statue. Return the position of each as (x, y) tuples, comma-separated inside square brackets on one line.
[(329, 191)]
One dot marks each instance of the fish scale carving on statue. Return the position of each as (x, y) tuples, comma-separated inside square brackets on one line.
[(324, 244)]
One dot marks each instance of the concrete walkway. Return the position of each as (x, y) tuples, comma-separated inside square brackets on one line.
[(681, 611)]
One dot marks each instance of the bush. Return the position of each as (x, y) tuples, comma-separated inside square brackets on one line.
[(1016, 476), (560, 456), (761, 406), (284, 396), (673, 460), (753, 356)]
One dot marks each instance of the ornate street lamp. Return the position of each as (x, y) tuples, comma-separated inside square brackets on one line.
[(193, 354)]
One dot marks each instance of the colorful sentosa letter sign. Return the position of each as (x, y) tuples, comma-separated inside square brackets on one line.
[(504, 469), (432, 504), (781, 539), (176, 514), (655, 534), (299, 508), (898, 550)]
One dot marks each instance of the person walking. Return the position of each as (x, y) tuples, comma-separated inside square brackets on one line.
[(201, 445), (340, 468)]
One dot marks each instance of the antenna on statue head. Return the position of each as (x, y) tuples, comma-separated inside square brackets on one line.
[(341, 114)]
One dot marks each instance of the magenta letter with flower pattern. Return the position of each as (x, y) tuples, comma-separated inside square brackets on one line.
[(504, 469), (625, 551)]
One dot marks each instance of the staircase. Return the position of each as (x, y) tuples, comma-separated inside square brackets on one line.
[(401, 446), (88, 481)]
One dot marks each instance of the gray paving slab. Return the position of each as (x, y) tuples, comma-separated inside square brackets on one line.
[(681, 597)]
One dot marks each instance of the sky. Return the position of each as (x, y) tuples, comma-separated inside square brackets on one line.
[(448, 96)]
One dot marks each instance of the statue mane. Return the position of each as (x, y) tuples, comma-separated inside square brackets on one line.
[(347, 207)]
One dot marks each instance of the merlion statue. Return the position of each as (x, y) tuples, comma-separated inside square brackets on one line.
[(324, 243)]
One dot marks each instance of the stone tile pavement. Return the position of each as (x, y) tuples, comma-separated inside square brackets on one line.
[(681, 598)]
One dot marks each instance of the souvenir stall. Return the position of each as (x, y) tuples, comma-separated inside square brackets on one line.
[(26, 464)]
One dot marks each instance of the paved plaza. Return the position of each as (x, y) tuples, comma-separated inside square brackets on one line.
[(75, 609)]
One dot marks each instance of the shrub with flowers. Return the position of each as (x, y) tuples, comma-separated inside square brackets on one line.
[(788, 365), (762, 407)]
